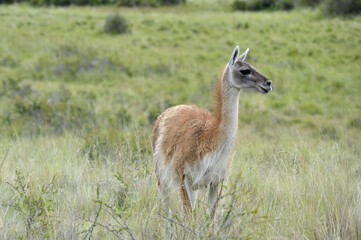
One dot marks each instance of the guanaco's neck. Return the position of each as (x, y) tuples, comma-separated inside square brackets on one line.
[(226, 109)]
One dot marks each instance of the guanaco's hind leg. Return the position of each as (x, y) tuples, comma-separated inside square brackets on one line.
[(164, 195), (187, 208)]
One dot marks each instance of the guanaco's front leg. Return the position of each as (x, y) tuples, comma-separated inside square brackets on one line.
[(214, 194)]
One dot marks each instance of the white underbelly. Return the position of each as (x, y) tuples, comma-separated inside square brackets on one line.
[(212, 169)]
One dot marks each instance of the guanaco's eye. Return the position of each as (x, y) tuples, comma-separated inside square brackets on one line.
[(245, 72)]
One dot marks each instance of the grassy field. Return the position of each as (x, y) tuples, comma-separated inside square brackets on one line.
[(77, 107)]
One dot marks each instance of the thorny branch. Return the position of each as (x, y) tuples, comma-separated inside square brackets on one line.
[(178, 223)]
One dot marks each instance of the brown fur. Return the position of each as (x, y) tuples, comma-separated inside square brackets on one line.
[(196, 129), (218, 97)]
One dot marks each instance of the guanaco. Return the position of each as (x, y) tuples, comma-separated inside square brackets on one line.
[(191, 146)]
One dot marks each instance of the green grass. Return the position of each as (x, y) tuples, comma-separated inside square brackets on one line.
[(77, 106)]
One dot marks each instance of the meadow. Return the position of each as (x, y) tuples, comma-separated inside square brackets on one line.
[(77, 107)]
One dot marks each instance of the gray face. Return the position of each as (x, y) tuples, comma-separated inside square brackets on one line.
[(246, 77)]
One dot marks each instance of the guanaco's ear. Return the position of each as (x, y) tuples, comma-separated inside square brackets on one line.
[(234, 56), (244, 55)]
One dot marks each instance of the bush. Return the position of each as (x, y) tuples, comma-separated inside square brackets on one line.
[(9, 1), (35, 206), (342, 7), (149, 3), (128, 3), (70, 2), (258, 5), (27, 110), (139, 3), (331, 7), (172, 2), (116, 24), (308, 3)]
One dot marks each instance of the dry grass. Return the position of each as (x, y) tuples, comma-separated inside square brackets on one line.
[(285, 186)]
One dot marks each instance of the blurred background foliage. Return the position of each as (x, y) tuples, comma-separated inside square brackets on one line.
[(69, 74), (129, 3), (329, 7)]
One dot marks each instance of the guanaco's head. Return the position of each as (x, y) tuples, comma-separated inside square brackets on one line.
[(244, 76)]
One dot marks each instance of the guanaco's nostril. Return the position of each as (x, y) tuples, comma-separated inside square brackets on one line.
[(268, 82)]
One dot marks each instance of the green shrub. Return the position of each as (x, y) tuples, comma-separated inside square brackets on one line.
[(35, 206), (331, 7), (116, 24), (342, 7), (9, 1), (30, 111), (355, 123), (284, 4), (258, 5), (128, 3), (149, 3), (26, 110), (172, 2), (139, 3), (70, 2), (309, 3)]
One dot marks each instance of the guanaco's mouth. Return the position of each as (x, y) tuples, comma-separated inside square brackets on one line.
[(264, 90)]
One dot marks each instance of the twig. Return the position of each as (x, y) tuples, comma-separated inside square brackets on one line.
[(91, 228), (120, 216), (114, 217), (173, 221), (102, 225)]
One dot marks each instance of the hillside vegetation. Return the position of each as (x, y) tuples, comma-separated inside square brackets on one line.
[(77, 107)]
